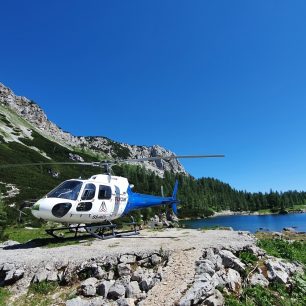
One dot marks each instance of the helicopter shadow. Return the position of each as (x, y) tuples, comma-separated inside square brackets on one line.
[(54, 242), (47, 242)]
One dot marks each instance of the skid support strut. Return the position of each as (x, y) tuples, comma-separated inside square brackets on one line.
[(100, 231)]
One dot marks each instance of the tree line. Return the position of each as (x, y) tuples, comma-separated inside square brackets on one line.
[(202, 197)]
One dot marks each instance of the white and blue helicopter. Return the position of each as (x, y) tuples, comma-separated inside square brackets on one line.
[(92, 204)]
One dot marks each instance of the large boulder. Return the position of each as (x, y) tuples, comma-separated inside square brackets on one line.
[(229, 260), (277, 271)]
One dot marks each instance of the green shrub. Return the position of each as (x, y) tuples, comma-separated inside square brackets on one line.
[(281, 248), (43, 287), (247, 257)]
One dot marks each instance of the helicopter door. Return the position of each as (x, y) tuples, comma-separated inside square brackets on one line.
[(105, 200)]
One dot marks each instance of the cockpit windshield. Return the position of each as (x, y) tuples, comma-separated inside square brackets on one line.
[(67, 190)]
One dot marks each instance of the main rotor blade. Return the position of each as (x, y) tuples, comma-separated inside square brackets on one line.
[(111, 162), (50, 163), (166, 158)]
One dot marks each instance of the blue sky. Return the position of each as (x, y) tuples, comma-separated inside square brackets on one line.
[(193, 76)]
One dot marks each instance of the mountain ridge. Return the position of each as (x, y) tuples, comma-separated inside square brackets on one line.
[(35, 116)]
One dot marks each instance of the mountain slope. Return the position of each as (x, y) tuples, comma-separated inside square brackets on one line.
[(13, 128)]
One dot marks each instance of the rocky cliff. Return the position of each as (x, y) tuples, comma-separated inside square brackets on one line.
[(37, 118)]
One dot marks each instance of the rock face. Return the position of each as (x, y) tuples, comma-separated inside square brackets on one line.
[(34, 115)]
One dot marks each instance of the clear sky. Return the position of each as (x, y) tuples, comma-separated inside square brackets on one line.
[(196, 77)]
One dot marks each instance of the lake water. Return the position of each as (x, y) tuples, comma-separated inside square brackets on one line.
[(253, 223)]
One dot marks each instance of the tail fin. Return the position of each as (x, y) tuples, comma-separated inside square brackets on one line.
[(175, 189)]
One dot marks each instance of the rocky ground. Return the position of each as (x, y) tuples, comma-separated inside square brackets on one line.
[(169, 267)]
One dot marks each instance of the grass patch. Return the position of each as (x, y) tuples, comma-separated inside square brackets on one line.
[(38, 237), (43, 287), (23, 235), (4, 296)]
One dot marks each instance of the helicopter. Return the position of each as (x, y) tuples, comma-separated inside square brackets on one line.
[(92, 204)]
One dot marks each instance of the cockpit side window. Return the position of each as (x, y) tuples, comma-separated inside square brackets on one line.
[(89, 192), (105, 192)]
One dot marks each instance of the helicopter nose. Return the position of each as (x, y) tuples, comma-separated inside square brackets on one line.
[(49, 209), (40, 209)]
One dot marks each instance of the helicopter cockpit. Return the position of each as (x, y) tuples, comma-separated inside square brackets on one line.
[(67, 190)]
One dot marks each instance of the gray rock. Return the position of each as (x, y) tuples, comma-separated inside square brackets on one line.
[(124, 269), (99, 273), (116, 291), (145, 284), (155, 259), (214, 258), (204, 266), (8, 267), (110, 275), (13, 276), (103, 288), (133, 290), (126, 302), (205, 277), (232, 280), (255, 250), (40, 276), (144, 261), (197, 293), (77, 302), (277, 271), (229, 260), (52, 276), (138, 275), (8, 243), (217, 279), (258, 279), (88, 287), (128, 259), (98, 301), (216, 299)]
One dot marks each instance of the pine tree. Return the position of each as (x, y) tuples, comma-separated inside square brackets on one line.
[(3, 220)]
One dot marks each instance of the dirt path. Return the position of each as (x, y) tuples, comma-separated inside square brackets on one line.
[(177, 275)]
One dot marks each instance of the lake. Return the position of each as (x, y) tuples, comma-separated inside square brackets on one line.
[(253, 223)]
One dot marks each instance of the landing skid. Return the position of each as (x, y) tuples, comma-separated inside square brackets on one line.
[(100, 231)]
